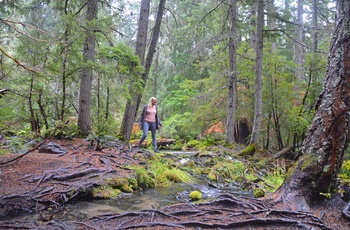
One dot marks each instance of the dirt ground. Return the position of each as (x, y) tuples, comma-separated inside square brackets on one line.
[(37, 181)]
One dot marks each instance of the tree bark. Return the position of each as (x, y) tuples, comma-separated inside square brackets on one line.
[(133, 105), (258, 75), (252, 22), (232, 78), (314, 25), (322, 150), (84, 121), (299, 52)]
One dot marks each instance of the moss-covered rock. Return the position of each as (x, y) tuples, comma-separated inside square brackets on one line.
[(259, 193), (105, 192), (212, 175), (195, 195), (121, 184), (133, 183)]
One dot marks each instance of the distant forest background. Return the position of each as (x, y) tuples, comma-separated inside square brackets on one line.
[(252, 70)]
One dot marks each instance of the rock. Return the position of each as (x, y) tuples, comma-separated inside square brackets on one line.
[(52, 148)]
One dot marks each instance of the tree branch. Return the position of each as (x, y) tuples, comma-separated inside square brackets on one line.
[(18, 62)]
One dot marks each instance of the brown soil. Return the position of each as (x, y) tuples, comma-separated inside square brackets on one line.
[(37, 181)]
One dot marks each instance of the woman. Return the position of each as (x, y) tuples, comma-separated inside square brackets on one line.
[(149, 121)]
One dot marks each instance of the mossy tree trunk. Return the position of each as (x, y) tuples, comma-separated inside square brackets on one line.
[(322, 151)]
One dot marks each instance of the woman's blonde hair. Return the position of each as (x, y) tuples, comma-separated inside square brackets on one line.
[(150, 101)]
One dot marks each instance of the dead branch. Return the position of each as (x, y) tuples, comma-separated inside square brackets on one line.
[(9, 24), (18, 62), (281, 153)]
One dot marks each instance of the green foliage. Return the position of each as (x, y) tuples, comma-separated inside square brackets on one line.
[(144, 178), (344, 173), (194, 144), (177, 126)]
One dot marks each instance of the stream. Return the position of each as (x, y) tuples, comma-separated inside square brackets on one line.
[(152, 198), (136, 201)]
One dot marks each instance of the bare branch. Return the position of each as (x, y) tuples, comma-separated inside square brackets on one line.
[(18, 62), (9, 24), (217, 6)]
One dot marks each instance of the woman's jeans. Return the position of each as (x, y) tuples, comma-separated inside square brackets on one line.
[(149, 126)]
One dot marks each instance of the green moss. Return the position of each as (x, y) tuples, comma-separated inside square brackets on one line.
[(165, 174), (307, 160), (259, 193), (327, 195), (194, 144), (227, 170), (105, 192), (177, 176), (195, 195), (133, 183), (126, 188), (117, 182), (250, 150)]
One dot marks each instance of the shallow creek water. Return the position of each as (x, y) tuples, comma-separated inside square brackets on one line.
[(139, 200)]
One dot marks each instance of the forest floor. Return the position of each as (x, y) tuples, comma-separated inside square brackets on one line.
[(38, 181)]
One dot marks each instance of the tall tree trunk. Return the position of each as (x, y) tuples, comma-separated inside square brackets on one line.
[(322, 150), (271, 21), (155, 75), (299, 51), (232, 78), (42, 109), (314, 25), (84, 121), (64, 53), (132, 106), (107, 103), (33, 121), (141, 44), (258, 75), (252, 22)]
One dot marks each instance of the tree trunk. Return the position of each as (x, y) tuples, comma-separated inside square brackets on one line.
[(258, 75), (271, 21), (232, 78), (64, 53), (252, 22), (299, 52), (84, 121), (322, 150), (33, 121), (42, 109), (133, 105), (141, 44), (107, 103), (314, 25)]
